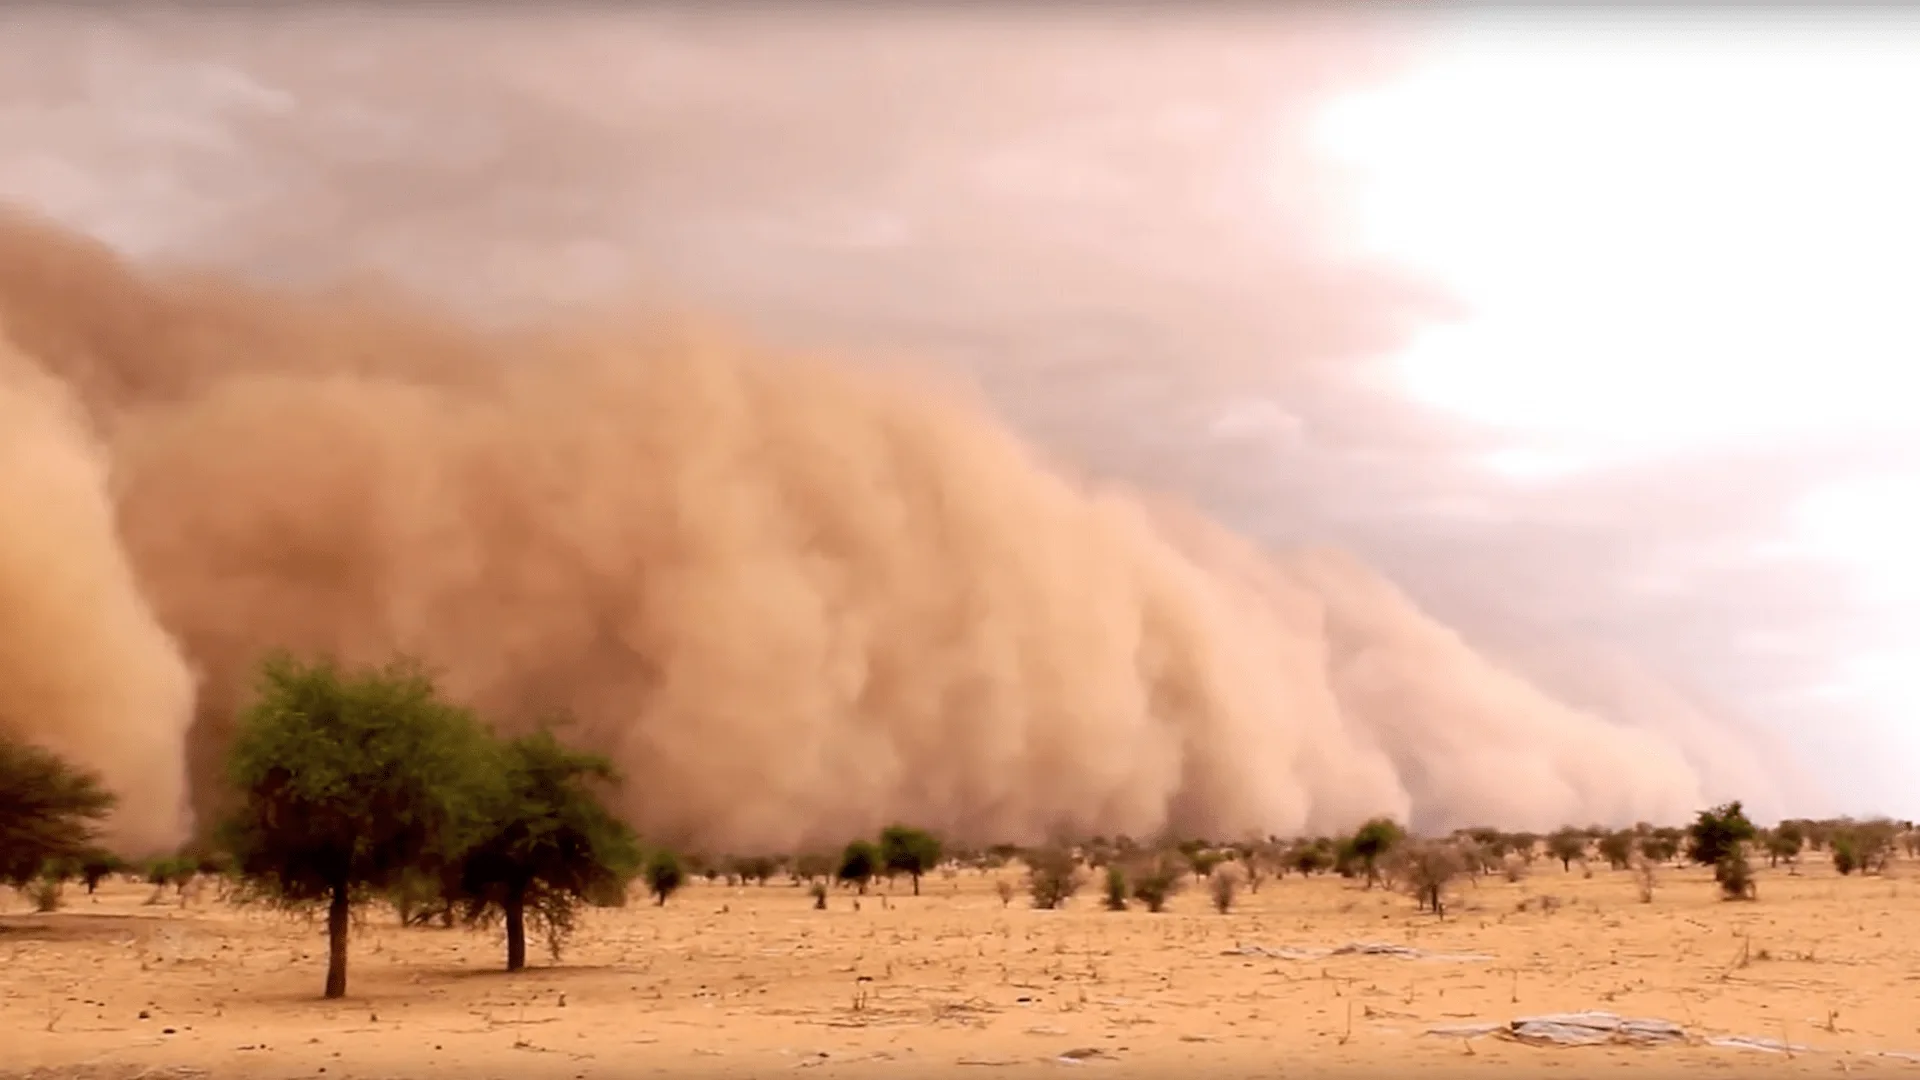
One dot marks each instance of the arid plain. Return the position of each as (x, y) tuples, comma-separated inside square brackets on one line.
[(750, 980)]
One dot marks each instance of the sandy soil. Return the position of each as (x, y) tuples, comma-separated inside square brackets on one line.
[(750, 981)]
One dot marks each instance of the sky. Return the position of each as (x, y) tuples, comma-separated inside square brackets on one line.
[(1721, 211), (1591, 330)]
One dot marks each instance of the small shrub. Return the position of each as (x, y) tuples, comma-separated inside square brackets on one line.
[(1156, 883), (1223, 885), (1428, 868), (45, 893), (1116, 888), (1846, 856), (1784, 843), (1644, 878), (819, 893), (664, 876), (1309, 859), (1203, 863), (1617, 849), (813, 867), (1005, 890), (1053, 876), (1735, 877)]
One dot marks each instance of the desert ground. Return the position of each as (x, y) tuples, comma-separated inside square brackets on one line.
[(751, 981)]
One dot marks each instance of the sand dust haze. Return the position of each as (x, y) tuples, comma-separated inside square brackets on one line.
[(793, 599)]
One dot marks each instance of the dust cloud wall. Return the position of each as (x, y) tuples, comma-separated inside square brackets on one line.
[(795, 597), (794, 600)]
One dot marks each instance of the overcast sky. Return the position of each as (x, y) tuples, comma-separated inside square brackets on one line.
[(1596, 334)]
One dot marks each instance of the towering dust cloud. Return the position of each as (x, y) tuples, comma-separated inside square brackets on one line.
[(793, 600)]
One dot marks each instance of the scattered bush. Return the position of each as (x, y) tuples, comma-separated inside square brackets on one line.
[(1053, 876), (1223, 885), (1735, 877), (1202, 863), (1644, 879), (1617, 849), (1427, 868), (44, 893), (1567, 845), (97, 865), (1661, 846), (664, 876), (814, 866), (1155, 882), (1784, 843), (1116, 895)]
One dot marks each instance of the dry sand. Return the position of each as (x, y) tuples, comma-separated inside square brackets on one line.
[(750, 981)]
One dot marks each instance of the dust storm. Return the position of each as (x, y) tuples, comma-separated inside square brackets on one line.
[(793, 599)]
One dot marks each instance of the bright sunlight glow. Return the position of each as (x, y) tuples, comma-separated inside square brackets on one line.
[(1670, 241)]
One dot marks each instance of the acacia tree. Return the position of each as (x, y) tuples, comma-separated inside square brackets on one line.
[(49, 811), (346, 780), (1617, 848), (1718, 833), (909, 851), (1567, 844), (548, 845), (1372, 841), (858, 863)]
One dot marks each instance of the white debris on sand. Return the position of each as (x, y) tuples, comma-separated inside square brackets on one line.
[(1353, 948), (1593, 1029), (1604, 1028), (1755, 1042)]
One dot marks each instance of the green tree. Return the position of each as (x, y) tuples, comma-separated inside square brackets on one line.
[(1372, 841), (1784, 842), (1567, 845), (548, 845), (347, 780), (1717, 833), (1309, 858), (97, 864), (909, 851), (858, 863), (1617, 849), (49, 810), (1660, 846)]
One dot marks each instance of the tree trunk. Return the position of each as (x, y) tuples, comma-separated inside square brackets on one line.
[(337, 912), (916, 884), (516, 928)]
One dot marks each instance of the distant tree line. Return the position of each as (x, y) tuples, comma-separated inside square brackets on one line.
[(351, 786)]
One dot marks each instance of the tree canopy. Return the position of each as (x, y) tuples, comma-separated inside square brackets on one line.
[(49, 810), (346, 781), (910, 851), (1373, 840), (1718, 833), (547, 844)]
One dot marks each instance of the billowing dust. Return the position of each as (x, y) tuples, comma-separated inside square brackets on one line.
[(793, 599)]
